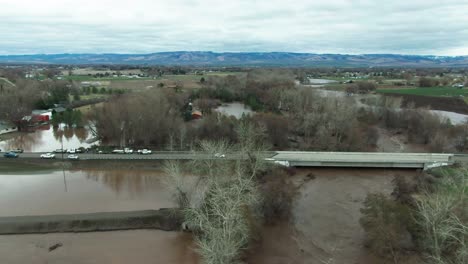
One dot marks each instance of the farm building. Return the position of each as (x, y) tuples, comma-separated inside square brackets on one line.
[(197, 115)]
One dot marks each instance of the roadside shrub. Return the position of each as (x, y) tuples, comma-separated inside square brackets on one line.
[(440, 143), (361, 87), (366, 87), (277, 128), (372, 136), (278, 195), (428, 82)]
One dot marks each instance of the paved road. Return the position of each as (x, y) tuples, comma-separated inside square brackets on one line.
[(292, 158), (163, 155)]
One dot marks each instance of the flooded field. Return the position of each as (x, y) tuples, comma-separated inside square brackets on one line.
[(69, 192), (47, 138), (321, 81), (234, 109), (117, 247)]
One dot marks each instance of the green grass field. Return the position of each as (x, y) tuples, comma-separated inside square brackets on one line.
[(433, 91)]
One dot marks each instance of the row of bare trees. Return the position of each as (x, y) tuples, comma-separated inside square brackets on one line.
[(139, 119)]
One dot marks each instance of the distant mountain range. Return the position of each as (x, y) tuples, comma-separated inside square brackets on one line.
[(202, 58)]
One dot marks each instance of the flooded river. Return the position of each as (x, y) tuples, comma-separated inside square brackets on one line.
[(47, 138)]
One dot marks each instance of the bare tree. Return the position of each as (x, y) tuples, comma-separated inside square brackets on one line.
[(222, 207), (18, 101), (443, 217)]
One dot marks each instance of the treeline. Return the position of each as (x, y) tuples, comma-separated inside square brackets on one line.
[(291, 118), (259, 89), (69, 117)]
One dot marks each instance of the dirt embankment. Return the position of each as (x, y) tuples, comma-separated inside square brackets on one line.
[(162, 219), (451, 104)]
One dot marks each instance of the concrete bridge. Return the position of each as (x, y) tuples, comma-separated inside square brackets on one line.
[(292, 158), (363, 159)]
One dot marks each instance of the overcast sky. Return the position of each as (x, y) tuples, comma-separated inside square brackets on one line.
[(435, 27)]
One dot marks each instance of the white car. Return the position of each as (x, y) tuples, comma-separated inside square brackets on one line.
[(73, 157), (219, 155), (71, 151), (48, 156), (145, 151), (128, 151), (284, 163)]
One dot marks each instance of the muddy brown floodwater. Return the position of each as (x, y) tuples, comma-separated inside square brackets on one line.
[(117, 247), (324, 227), (47, 138), (70, 192)]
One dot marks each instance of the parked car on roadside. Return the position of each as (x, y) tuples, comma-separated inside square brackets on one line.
[(128, 151), (144, 151), (118, 151), (11, 155), (73, 157), (284, 163), (18, 150), (48, 156), (219, 155), (60, 151), (71, 151)]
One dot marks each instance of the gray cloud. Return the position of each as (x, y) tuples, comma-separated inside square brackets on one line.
[(144, 26)]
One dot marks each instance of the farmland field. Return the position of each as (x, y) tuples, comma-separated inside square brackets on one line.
[(433, 91), (91, 78)]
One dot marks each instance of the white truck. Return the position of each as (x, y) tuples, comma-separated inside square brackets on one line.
[(123, 151)]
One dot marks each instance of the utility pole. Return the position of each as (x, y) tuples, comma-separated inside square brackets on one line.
[(63, 165)]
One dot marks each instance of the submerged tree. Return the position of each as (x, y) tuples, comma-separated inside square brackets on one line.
[(386, 223)]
